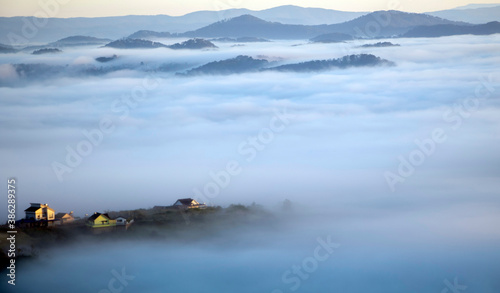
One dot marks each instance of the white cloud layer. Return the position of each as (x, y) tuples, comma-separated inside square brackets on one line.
[(349, 127)]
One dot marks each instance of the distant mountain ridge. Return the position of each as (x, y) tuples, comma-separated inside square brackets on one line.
[(453, 30), (387, 24), (121, 26), (7, 49), (115, 27), (472, 14), (476, 6)]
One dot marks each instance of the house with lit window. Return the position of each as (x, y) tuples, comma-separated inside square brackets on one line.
[(188, 203), (98, 220), (39, 212)]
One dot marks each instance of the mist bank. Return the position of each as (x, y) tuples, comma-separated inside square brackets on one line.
[(286, 250)]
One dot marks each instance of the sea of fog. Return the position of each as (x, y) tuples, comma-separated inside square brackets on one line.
[(345, 251), (398, 165)]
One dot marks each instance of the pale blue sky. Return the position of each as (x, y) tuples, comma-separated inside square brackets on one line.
[(93, 8)]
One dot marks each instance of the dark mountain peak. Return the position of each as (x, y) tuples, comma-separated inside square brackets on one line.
[(395, 18), (387, 23), (245, 19), (251, 26)]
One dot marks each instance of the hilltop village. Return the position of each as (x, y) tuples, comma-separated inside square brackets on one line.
[(186, 219), (42, 215)]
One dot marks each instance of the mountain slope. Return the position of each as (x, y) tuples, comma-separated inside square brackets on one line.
[(6, 49), (452, 30), (386, 24), (78, 41), (251, 26)]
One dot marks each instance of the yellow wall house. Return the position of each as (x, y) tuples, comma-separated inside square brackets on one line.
[(39, 212), (99, 220)]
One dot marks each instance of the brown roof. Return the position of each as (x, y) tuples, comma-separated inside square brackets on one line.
[(60, 215)]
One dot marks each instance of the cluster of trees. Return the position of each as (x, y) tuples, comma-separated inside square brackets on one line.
[(344, 62), (239, 64), (46, 51)]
